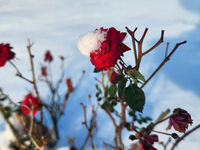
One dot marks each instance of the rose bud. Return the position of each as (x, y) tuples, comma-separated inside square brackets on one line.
[(48, 57), (44, 71), (113, 76), (5, 53), (69, 84), (179, 120), (31, 102), (103, 46)]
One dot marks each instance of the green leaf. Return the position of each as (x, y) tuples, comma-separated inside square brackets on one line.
[(96, 70), (99, 99), (118, 78), (135, 98), (7, 108), (103, 106), (114, 103), (136, 75), (112, 90), (7, 115), (121, 88)]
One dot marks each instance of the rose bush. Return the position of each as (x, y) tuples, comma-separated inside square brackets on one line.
[(5, 54)]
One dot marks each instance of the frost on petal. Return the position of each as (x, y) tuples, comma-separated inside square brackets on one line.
[(91, 41)]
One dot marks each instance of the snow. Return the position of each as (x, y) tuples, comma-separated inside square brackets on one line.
[(91, 41)]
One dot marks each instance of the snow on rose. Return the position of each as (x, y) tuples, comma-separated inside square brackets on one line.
[(103, 46)]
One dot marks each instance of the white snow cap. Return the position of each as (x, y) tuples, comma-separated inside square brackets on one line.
[(91, 41)]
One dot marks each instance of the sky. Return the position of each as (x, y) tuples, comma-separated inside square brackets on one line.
[(57, 25)]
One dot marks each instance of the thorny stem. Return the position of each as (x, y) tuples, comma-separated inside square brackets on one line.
[(120, 139), (163, 62), (85, 142), (111, 117), (32, 68), (186, 134), (140, 48), (123, 114), (19, 73), (106, 144), (109, 76), (91, 126), (121, 73), (158, 43), (132, 34), (161, 132)]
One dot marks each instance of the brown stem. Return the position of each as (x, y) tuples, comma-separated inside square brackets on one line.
[(123, 114), (163, 62), (186, 134), (106, 144), (140, 48), (19, 73), (161, 132), (85, 142), (132, 34), (111, 117), (32, 68), (158, 43), (88, 129)]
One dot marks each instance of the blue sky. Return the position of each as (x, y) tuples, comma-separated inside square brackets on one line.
[(57, 25)]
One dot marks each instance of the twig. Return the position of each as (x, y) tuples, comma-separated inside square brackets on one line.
[(19, 73), (132, 34), (163, 62), (186, 134), (32, 68), (106, 144), (91, 126), (158, 43)]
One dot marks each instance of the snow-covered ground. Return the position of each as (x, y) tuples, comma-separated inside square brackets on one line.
[(57, 25)]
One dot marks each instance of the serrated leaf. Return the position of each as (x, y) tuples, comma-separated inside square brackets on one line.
[(96, 70), (112, 90), (118, 78), (134, 97), (135, 74), (121, 88)]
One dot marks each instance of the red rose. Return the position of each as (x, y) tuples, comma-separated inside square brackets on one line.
[(5, 54), (179, 120), (48, 57), (111, 49), (34, 104), (69, 84)]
